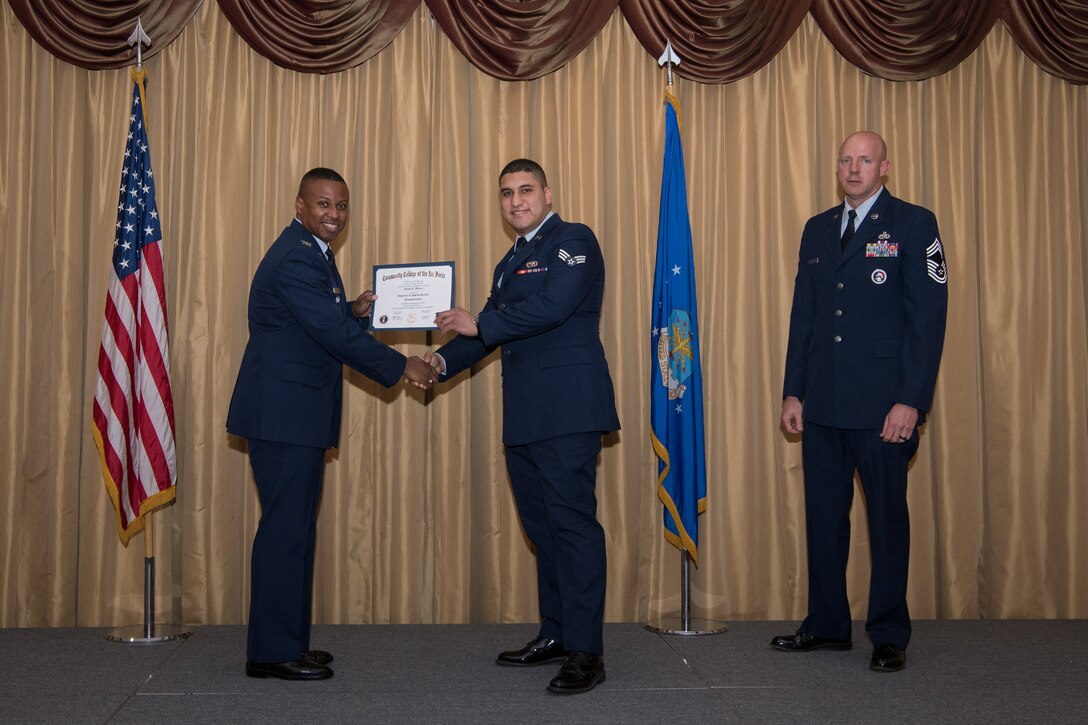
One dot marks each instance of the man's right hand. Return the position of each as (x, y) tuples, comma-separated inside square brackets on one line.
[(418, 373), (435, 361), (459, 320), (791, 414)]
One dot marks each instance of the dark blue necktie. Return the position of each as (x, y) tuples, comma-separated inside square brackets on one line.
[(339, 289), (518, 244), (849, 231)]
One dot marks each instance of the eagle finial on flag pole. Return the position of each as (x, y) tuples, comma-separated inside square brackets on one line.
[(139, 38), (668, 59)]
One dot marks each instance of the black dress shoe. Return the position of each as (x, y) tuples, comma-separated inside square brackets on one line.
[(801, 642), (888, 658), (537, 652), (318, 657), (580, 673), (297, 670)]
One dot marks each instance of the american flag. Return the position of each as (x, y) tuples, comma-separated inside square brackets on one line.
[(133, 418)]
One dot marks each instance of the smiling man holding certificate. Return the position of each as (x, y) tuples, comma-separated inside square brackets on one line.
[(303, 329), (544, 311)]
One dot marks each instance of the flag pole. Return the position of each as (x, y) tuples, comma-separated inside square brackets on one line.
[(685, 624), (150, 632)]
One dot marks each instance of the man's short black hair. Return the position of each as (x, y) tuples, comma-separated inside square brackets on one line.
[(525, 165), (319, 173)]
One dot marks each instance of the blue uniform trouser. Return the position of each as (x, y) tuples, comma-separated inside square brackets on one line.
[(831, 455), (553, 482), (288, 479)]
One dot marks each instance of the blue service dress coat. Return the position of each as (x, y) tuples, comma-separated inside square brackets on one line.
[(301, 333), (287, 404), (866, 332), (867, 326), (546, 316), (544, 312)]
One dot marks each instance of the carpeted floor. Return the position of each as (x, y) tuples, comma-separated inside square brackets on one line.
[(957, 672)]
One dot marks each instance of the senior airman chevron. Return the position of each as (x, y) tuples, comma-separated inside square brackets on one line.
[(571, 259)]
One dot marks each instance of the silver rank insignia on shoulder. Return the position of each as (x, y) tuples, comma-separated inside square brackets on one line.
[(307, 242), (571, 259), (935, 264)]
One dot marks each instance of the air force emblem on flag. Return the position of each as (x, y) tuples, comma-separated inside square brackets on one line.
[(935, 265), (571, 259), (674, 353)]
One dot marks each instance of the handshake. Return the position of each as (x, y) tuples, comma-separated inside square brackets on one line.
[(423, 371)]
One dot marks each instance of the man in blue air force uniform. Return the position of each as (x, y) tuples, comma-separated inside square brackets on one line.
[(544, 312), (302, 330), (865, 340)]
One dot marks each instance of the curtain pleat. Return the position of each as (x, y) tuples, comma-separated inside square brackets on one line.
[(94, 34), (1054, 34), (906, 40), (318, 37), (514, 40), (716, 42)]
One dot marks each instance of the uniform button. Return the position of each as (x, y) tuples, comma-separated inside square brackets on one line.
[(838, 338), (502, 306), (838, 313), (838, 285), (506, 352)]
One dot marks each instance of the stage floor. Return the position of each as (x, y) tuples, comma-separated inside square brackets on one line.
[(957, 672)]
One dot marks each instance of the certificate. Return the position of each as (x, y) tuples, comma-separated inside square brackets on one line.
[(410, 295)]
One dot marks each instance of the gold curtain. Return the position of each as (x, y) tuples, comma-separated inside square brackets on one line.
[(417, 521)]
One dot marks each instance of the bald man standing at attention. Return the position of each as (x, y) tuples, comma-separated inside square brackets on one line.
[(866, 333)]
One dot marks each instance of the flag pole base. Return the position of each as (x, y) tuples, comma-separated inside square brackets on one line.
[(693, 627), (141, 634)]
